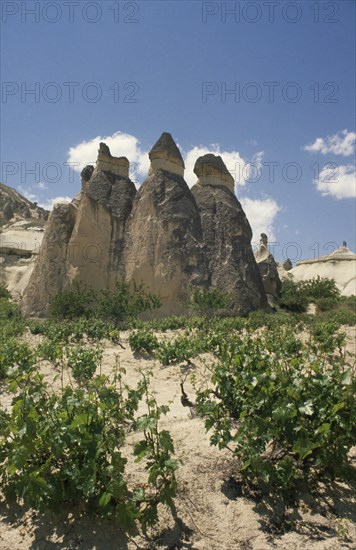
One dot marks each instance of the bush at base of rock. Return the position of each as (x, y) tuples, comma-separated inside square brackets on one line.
[(84, 301)]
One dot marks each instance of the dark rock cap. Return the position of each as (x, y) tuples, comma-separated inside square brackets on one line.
[(104, 149), (165, 155), (166, 146), (288, 265), (118, 166), (87, 172), (211, 170)]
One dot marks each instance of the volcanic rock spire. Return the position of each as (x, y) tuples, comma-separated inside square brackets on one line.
[(227, 236), (165, 155)]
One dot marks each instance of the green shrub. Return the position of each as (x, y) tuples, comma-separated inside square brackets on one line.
[(67, 448), (143, 341), (209, 302), (116, 305), (326, 304), (83, 362), (4, 293), (8, 310), (14, 354), (285, 416), (319, 287), (74, 302), (293, 297)]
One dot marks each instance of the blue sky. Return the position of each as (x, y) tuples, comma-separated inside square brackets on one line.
[(269, 85)]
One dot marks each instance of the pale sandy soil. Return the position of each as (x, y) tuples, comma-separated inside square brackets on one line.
[(212, 511)]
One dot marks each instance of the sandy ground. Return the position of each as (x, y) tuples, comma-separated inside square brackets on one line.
[(212, 510)]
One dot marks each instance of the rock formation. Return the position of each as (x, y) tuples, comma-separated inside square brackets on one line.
[(88, 234), (15, 208), (268, 271), (287, 265), (227, 236), (166, 236), (164, 244)]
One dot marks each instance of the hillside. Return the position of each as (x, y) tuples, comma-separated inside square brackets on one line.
[(15, 208), (21, 231)]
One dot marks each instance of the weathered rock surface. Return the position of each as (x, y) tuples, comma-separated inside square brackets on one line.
[(227, 237), (91, 245), (164, 244), (51, 270), (268, 270), (7, 211)]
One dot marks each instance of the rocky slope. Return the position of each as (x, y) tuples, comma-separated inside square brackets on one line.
[(21, 232)]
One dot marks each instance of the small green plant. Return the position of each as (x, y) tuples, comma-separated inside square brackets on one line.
[(15, 355), (143, 341), (181, 349), (326, 337), (83, 363), (342, 529), (157, 449)]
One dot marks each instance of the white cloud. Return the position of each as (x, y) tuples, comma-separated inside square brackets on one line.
[(341, 143), (120, 145), (49, 203), (261, 215), (338, 182), (41, 185)]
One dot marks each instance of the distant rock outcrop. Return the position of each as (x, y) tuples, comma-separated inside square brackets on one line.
[(7, 211), (166, 236), (287, 265), (21, 232), (269, 271), (227, 236), (340, 265), (15, 208)]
